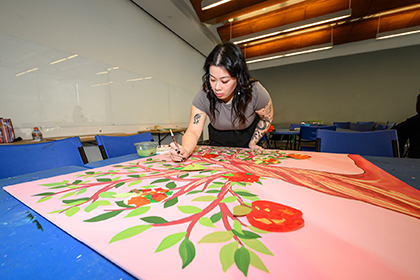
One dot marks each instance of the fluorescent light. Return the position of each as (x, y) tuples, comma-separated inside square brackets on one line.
[(134, 80), (292, 27), (72, 56), (33, 69), (398, 32), (295, 52), (208, 4), (57, 61), (101, 73)]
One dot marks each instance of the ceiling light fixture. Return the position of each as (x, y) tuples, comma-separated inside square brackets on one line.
[(208, 4), (292, 27), (398, 32), (295, 52)]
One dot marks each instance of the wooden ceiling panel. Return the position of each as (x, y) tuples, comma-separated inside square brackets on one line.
[(361, 25), (289, 44), (399, 21), (384, 5)]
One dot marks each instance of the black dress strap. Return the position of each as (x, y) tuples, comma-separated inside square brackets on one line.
[(232, 138)]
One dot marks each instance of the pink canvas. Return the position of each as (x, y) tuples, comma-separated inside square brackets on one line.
[(230, 213)]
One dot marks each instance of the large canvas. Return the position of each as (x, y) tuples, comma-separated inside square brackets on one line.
[(229, 213)]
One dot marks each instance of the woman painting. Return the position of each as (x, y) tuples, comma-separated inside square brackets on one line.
[(239, 107)]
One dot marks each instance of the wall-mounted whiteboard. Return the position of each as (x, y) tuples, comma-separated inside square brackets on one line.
[(47, 87)]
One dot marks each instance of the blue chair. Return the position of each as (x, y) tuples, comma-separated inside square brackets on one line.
[(362, 126), (19, 159), (115, 146), (366, 122), (380, 127), (372, 143), (307, 135), (344, 125)]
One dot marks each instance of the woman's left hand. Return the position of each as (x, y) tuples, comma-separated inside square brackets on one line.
[(254, 146)]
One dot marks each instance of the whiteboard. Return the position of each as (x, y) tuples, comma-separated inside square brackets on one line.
[(47, 87)]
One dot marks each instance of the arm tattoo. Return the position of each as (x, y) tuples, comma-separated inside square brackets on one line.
[(197, 118)]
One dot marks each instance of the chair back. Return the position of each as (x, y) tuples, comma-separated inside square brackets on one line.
[(362, 126), (344, 125), (373, 143), (115, 146), (366, 122), (308, 134), (19, 159), (293, 126), (380, 127)]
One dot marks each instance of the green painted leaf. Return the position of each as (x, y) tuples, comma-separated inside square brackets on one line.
[(216, 217), (170, 241), (237, 226), (104, 216), (254, 229), (81, 191), (244, 193), (257, 262), (70, 212), (192, 167), (257, 245), (68, 194), (154, 220), (241, 210), (184, 175), (205, 221), (123, 205), (129, 232), (187, 252), (135, 182), (95, 204), (246, 234), (213, 191), (216, 185), (170, 185), (228, 199), (193, 192), (55, 211), (43, 194), (160, 181), (217, 237), (227, 255), (242, 260), (205, 198), (107, 194), (170, 202), (76, 201), (118, 184), (138, 211), (54, 184), (189, 209), (103, 180)]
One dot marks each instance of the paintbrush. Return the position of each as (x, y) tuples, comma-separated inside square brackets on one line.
[(176, 143)]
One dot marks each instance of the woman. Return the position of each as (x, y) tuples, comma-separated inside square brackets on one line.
[(239, 107), (410, 130)]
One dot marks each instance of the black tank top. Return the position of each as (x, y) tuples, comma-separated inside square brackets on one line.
[(232, 138)]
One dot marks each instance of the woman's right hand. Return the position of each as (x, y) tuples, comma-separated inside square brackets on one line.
[(178, 154)]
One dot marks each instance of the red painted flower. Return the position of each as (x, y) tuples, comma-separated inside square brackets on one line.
[(274, 217), (157, 194), (299, 156), (270, 161), (242, 177), (210, 155)]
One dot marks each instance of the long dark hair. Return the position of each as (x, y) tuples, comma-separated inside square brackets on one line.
[(230, 57), (418, 104)]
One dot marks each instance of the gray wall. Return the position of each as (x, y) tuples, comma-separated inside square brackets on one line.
[(377, 86)]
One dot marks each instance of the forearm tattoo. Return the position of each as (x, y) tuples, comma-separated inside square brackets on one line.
[(266, 117), (197, 118)]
